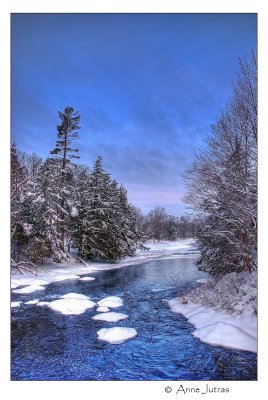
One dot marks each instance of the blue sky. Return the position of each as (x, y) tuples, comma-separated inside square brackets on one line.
[(147, 87)]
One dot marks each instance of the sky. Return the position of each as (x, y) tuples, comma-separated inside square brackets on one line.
[(148, 88)]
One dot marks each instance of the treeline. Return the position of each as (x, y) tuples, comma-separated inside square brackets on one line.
[(57, 205), (158, 225), (222, 183)]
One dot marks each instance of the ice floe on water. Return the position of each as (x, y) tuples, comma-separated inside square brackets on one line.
[(74, 296), (116, 335), (103, 309), (87, 278), (59, 278), (43, 303), (15, 304), (111, 301), (110, 317), (39, 282), (35, 301), (219, 328), (71, 306), (28, 289)]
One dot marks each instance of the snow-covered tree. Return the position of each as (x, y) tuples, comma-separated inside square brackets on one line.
[(64, 153), (222, 183), (105, 225)]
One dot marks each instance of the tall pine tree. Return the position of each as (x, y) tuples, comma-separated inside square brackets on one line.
[(64, 153)]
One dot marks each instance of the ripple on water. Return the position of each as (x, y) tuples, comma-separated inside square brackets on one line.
[(47, 345)]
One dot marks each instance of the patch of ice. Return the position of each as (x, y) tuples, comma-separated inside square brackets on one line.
[(116, 335), (15, 304), (111, 301), (65, 277), (28, 289), (35, 301), (110, 317), (103, 309), (87, 278), (71, 306), (74, 296)]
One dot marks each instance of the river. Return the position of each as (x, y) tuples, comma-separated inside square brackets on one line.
[(47, 345)]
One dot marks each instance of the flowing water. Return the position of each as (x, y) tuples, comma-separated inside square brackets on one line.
[(47, 345)]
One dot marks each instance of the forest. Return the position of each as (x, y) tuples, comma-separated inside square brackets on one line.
[(58, 206)]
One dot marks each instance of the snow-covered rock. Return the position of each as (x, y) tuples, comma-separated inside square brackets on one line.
[(111, 301), (103, 309), (74, 296), (28, 289), (15, 304), (110, 317), (35, 301), (116, 335), (71, 306), (87, 278)]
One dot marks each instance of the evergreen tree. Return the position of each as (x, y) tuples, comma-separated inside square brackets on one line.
[(64, 153)]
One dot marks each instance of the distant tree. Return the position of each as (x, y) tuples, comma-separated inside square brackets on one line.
[(171, 228), (156, 220), (30, 162)]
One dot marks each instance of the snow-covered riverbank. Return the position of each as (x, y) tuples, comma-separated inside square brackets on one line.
[(53, 272), (223, 311)]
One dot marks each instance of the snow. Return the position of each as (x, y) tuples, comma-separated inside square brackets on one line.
[(111, 301), (226, 335), (103, 309), (28, 289), (234, 293), (203, 280), (71, 306), (110, 317), (168, 247), (15, 304), (35, 301), (74, 296), (58, 278), (87, 278), (43, 303), (116, 335), (219, 328), (40, 282), (54, 272)]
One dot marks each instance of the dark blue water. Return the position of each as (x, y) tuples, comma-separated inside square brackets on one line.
[(49, 346)]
